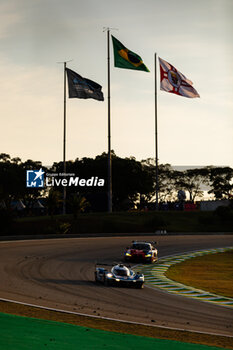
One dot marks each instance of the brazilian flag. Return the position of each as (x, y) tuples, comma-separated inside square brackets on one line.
[(124, 58)]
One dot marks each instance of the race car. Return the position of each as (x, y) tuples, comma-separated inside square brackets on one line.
[(144, 252), (118, 275)]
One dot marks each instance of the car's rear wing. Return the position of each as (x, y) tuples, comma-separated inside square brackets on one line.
[(102, 264), (151, 242), (112, 264)]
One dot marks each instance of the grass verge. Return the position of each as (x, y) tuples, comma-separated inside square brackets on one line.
[(212, 273), (119, 327)]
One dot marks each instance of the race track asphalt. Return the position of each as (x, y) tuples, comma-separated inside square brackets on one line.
[(59, 273)]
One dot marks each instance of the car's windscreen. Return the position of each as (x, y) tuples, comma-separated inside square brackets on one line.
[(140, 246), (120, 272)]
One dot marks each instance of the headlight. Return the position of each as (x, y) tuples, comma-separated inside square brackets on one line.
[(148, 255), (109, 275), (128, 254), (117, 279)]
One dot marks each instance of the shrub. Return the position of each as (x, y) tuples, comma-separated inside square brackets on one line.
[(224, 213)]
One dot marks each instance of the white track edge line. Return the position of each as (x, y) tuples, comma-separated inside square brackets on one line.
[(112, 319)]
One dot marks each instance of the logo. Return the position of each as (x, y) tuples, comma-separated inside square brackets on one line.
[(131, 57), (35, 178), (174, 78), (38, 179)]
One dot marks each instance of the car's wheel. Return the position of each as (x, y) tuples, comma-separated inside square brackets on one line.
[(106, 281), (96, 279)]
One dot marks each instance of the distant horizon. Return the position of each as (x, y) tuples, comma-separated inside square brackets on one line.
[(176, 166)]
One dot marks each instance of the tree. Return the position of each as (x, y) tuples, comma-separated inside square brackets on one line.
[(166, 183), (12, 180), (130, 179), (220, 179), (54, 201), (4, 157), (191, 181), (78, 204)]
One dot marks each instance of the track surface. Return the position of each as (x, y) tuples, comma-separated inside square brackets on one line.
[(60, 274)]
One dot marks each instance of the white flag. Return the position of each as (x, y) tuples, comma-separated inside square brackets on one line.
[(171, 80)]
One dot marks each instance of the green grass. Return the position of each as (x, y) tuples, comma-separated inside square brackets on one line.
[(121, 222), (212, 273), (22, 333)]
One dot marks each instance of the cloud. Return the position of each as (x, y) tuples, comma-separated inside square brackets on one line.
[(9, 18), (34, 35)]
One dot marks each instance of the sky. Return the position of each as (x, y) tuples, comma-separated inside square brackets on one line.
[(194, 36)]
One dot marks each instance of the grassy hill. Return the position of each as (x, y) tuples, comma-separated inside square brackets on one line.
[(120, 222)]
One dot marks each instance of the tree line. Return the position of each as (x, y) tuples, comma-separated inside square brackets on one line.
[(133, 183)]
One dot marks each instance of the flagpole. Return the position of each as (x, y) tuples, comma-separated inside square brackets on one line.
[(64, 141), (64, 136), (156, 141), (109, 128)]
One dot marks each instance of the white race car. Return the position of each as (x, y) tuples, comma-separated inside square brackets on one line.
[(118, 275)]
